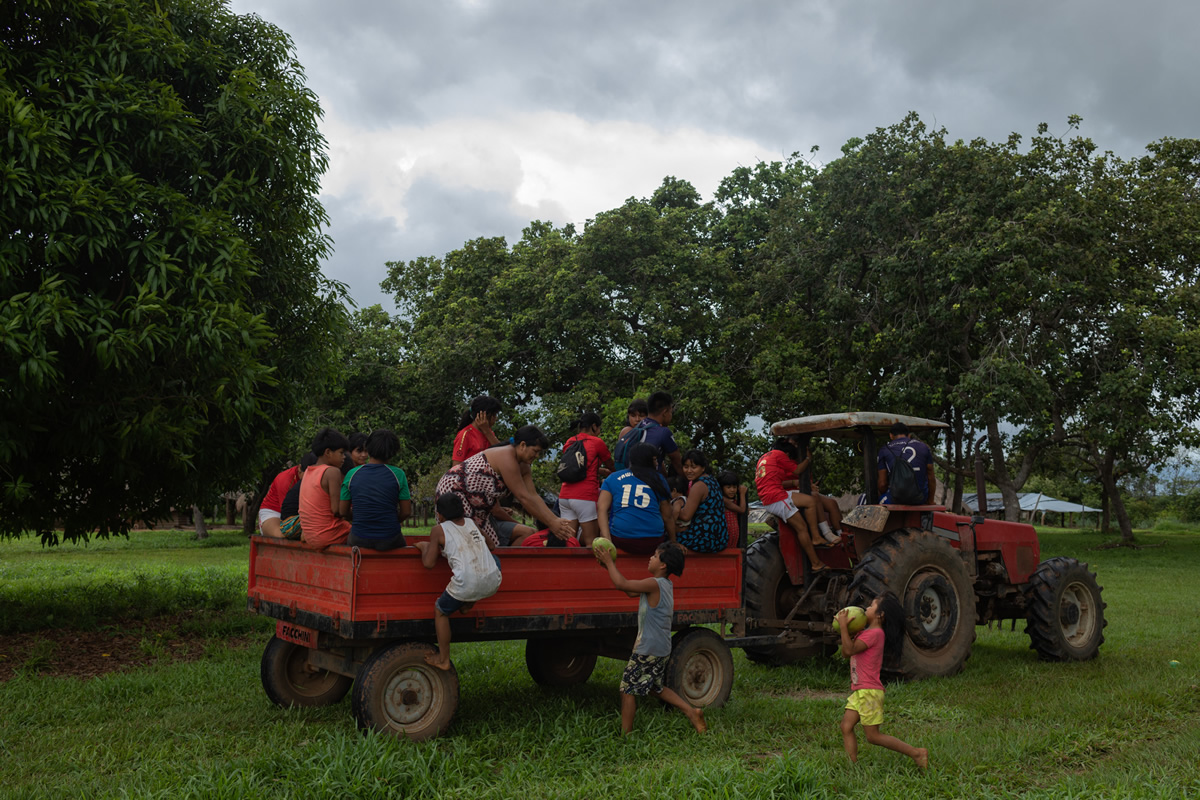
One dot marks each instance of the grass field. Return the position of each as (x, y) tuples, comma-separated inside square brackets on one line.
[(1124, 725)]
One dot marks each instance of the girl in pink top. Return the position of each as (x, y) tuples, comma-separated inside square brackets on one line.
[(884, 633), (321, 492)]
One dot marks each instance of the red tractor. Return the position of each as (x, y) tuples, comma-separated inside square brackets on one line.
[(949, 572)]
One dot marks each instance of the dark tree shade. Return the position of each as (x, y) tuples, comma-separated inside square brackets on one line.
[(161, 304)]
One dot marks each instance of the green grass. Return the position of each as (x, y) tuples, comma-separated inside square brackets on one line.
[(1124, 725), (150, 573)]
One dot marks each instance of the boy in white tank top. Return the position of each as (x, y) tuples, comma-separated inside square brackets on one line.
[(475, 569)]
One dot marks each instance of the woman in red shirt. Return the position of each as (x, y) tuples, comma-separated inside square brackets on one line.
[(475, 432)]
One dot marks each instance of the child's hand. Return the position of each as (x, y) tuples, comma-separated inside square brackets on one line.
[(843, 620), (481, 421), (604, 556)]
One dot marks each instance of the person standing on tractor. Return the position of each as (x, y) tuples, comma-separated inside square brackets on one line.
[(920, 461), (577, 500), (775, 473)]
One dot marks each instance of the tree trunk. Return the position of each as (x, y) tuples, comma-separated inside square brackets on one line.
[(957, 421), (1113, 493), (1008, 490), (1105, 511), (230, 510), (198, 518)]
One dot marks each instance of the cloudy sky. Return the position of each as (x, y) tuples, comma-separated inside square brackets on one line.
[(453, 119)]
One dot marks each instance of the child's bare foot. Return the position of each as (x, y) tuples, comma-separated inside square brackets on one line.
[(922, 758), (436, 660), (697, 718)]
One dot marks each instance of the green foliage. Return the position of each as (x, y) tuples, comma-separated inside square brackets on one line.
[(163, 308)]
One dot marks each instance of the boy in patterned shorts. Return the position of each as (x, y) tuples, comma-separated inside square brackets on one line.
[(656, 608)]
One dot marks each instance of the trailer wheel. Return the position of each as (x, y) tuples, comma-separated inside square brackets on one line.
[(770, 594), (290, 681), (558, 662), (929, 578), (700, 669), (1065, 619), (398, 693)]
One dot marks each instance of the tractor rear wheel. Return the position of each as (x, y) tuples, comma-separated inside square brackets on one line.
[(1065, 619), (770, 594), (929, 578)]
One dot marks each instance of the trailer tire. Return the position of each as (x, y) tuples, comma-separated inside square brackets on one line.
[(930, 580), (770, 594), (558, 662), (1065, 613), (398, 693), (700, 669), (288, 680)]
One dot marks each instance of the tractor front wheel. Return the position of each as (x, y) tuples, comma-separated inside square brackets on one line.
[(771, 595), (1065, 615)]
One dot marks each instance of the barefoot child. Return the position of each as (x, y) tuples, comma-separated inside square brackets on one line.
[(884, 631), (476, 570), (656, 607)]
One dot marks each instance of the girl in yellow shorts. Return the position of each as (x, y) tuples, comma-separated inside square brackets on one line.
[(884, 631)]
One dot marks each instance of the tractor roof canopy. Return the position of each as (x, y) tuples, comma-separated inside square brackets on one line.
[(850, 424)]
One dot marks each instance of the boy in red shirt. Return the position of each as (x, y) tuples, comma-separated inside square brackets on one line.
[(775, 473)]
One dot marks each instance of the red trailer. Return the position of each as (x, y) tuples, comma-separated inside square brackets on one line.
[(350, 617)]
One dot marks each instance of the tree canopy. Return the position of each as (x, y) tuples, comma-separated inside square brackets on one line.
[(1038, 292), (162, 307)]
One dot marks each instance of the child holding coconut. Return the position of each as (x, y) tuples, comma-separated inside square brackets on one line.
[(884, 633), (656, 606)]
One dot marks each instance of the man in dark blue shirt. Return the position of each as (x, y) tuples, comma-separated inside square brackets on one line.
[(915, 452)]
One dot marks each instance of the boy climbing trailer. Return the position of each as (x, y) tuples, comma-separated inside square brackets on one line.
[(362, 620)]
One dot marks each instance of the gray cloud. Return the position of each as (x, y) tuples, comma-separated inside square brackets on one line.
[(784, 75)]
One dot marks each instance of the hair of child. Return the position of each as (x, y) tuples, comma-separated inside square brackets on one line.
[(892, 624), (307, 460), (587, 420), (531, 436), (641, 464), (727, 477), (787, 448), (383, 445), (671, 555), (485, 403), (697, 457), (678, 483), (638, 406), (328, 439), (659, 402), (450, 506), (357, 440)]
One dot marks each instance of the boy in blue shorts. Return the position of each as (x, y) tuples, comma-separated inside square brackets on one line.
[(656, 607), (475, 570)]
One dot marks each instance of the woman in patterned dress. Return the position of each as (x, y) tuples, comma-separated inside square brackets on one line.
[(483, 479), (706, 531)]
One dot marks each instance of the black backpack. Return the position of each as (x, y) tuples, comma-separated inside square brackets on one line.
[(903, 488), (572, 462)]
